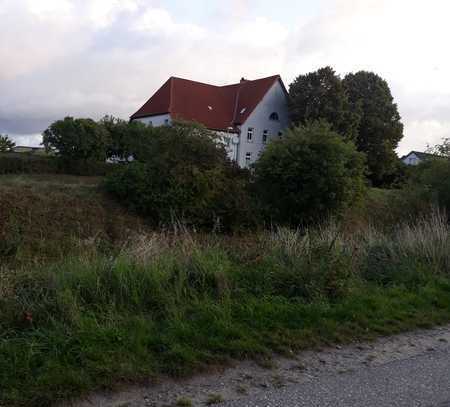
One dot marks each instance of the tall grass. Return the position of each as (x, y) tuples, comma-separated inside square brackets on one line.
[(174, 303)]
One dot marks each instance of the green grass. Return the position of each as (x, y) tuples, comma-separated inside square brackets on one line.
[(175, 306), (91, 299), (45, 218)]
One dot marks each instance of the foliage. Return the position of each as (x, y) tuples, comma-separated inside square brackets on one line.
[(25, 163), (43, 218), (172, 304), (309, 174), (77, 140), (442, 149), (126, 137), (380, 127), (431, 181), (183, 174), (321, 95), (6, 144)]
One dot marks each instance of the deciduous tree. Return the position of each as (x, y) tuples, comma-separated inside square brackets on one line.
[(380, 127)]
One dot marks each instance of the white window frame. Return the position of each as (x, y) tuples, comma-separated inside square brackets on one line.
[(248, 158), (265, 136), (250, 131)]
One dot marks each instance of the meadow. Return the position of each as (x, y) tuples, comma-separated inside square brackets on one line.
[(115, 302)]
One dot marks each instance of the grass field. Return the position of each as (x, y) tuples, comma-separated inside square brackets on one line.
[(44, 218), (81, 309)]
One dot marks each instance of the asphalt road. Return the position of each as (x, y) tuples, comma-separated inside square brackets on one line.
[(423, 380)]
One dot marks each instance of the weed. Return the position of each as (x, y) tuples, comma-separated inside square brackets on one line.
[(184, 402), (214, 399)]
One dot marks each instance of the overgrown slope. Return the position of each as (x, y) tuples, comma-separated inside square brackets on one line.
[(46, 217)]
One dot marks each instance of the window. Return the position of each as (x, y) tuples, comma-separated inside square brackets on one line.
[(166, 122), (280, 134), (150, 123), (250, 135), (274, 116), (264, 136), (248, 158)]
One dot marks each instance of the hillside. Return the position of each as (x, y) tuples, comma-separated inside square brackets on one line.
[(44, 217)]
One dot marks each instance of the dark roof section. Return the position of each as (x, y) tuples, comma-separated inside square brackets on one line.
[(421, 155), (216, 107)]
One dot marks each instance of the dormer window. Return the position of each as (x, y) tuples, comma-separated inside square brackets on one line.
[(274, 116)]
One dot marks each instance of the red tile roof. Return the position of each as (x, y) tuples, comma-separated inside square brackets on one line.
[(216, 107)]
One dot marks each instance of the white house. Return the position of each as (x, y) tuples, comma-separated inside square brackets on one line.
[(416, 157), (247, 114)]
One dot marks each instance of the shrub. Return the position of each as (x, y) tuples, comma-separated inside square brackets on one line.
[(77, 140), (25, 163), (125, 138), (183, 174), (309, 174), (432, 182)]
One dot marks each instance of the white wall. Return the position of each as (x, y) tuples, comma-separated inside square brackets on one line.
[(159, 120), (411, 159), (275, 100)]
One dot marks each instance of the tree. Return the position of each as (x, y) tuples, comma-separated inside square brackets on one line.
[(380, 128), (321, 95), (309, 174), (182, 173), (6, 144), (442, 149), (77, 139), (126, 137)]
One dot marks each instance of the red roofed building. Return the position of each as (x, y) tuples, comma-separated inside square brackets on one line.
[(247, 114)]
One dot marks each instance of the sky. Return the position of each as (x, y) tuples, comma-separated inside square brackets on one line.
[(88, 58)]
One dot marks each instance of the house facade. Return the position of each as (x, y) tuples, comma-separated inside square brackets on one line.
[(417, 157), (246, 115)]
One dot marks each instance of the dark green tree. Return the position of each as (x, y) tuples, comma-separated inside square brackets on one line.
[(126, 138), (380, 128), (321, 95), (6, 144), (181, 173), (309, 174), (77, 140)]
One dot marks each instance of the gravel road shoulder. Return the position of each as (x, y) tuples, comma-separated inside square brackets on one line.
[(249, 379)]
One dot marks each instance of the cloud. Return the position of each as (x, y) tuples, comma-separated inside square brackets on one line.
[(96, 57)]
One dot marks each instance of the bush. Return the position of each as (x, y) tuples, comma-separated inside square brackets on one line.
[(432, 182), (126, 139), (77, 140), (183, 174), (309, 174), (25, 163)]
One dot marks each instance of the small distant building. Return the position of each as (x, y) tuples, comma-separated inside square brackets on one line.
[(29, 150), (247, 115), (417, 157)]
